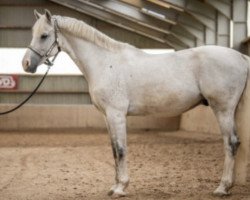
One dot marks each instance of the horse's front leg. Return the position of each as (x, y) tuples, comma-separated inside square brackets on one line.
[(116, 123)]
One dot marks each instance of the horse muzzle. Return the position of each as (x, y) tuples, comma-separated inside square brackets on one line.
[(30, 62), (28, 66)]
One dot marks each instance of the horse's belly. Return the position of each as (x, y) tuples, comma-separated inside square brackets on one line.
[(169, 105), (163, 90)]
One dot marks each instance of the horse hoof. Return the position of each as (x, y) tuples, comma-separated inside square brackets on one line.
[(220, 192), (116, 193), (112, 190)]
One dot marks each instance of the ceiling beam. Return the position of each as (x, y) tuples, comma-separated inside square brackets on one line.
[(170, 15), (132, 13), (222, 6), (166, 5), (100, 13), (160, 31), (182, 20), (204, 13), (176, 23)]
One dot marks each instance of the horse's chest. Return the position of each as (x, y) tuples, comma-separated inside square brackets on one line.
[(109, 96), (98, 97)]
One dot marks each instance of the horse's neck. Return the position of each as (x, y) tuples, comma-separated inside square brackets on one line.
[(87, 56)]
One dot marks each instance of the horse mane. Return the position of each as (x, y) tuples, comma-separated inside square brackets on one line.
[(82, 30)]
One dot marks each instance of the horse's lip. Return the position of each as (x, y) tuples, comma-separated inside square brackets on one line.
[(31, 70)]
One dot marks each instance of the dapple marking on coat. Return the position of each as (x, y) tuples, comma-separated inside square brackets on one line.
[(124, 81)]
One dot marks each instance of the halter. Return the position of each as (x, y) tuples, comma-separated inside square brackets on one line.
[(46, 54)]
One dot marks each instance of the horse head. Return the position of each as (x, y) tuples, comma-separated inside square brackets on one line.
[(43, 43)]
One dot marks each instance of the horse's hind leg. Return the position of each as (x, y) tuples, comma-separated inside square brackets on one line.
[(226, 121)]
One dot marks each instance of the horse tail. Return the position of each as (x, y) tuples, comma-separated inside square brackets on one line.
[(243, 129)]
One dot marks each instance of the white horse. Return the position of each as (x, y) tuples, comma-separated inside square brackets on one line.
[(124, 81)]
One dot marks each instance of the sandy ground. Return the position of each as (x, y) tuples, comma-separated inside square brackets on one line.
[(72, 165)]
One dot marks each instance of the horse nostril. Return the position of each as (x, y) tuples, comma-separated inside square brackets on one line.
[(26, 64)]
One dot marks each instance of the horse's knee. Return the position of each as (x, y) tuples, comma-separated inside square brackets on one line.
[(119, 152), (114, 150)]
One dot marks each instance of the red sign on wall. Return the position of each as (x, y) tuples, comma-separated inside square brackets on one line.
[(8, 82)]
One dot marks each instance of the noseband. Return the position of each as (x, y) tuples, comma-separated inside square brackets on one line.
[(46, 54)]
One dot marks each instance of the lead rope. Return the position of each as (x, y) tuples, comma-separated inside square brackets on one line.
[(47, 62), (27, 99)]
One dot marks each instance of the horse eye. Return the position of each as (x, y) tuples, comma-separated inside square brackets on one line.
[(44, 36)]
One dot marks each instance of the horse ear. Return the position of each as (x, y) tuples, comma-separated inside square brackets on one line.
[(37, 14), (48, 15)]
